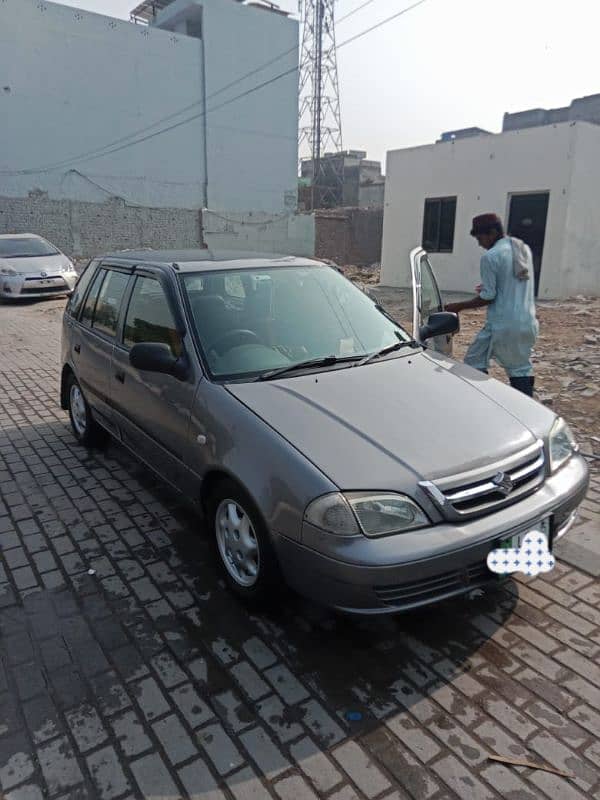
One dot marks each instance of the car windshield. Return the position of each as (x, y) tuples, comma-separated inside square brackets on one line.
[(250, 322), (29, 247)]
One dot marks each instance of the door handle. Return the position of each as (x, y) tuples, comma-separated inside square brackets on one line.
[(77, 348), (120, 376)]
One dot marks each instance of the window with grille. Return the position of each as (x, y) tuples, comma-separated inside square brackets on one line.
[(438, 224)]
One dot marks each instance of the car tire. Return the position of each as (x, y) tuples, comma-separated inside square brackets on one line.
[(243, 545), (86, 429)]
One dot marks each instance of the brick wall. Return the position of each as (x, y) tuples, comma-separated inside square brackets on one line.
[(349, 235), (86, 229)]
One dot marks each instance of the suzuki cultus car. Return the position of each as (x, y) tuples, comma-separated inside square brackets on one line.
[(328, 446)]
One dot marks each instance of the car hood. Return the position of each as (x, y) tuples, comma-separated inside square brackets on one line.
[(36, 264), (409, 418)]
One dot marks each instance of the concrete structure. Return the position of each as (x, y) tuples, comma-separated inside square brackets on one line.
[(463, 133), (85, 229), (349, 236), (559, 166), (73, 82), (582, 109), (363, 185), (260, 232)]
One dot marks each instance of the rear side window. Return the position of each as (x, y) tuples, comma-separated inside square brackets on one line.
[(111, 294), (76, 299), (149, 317), (90, 301)]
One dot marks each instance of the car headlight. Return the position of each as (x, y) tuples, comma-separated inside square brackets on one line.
[(562, 444), (8, 271), (373, 514)]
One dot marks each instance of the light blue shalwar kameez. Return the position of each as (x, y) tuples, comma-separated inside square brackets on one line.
[(510, 331)]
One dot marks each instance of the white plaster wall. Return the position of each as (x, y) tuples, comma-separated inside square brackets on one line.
[(580, 272), (261, 233), (252, 142), (76, 81), (481, 172)]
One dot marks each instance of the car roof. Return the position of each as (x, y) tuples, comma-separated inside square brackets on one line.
[(206, 260), (20, 236)]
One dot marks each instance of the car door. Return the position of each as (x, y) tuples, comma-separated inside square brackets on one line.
[(152, 410), (71, 338), (95, 337), (427, 298)]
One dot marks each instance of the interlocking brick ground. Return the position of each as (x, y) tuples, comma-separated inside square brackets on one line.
[(147, 679)]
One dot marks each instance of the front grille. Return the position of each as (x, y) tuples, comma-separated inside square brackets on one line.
[(43, 289), (488, 490), (438, 587), (44, 278)]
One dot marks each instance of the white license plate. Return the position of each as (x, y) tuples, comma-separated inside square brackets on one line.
[(45, 282), (515, 541)]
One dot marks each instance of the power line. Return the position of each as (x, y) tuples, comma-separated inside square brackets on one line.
[(109, 150), (77, 159), (382, 23), (176, 124), (353, 12)]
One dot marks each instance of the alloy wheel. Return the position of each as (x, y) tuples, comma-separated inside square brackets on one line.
[(78, 411), (237, 542)]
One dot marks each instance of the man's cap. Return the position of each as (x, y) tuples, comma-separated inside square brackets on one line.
[(484, 222)]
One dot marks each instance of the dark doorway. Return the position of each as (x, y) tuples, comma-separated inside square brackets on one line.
[(527, 221)]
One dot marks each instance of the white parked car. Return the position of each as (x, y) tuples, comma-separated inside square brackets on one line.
[(32, 267)]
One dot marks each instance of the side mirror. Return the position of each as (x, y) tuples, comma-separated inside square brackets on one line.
[(157, 357), (439, 324)]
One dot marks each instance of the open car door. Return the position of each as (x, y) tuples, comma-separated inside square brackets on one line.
[(427, 299)]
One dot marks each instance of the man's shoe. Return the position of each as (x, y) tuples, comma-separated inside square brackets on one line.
[(524, 385)]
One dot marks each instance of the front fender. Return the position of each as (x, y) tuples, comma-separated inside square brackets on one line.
[(227, 437)]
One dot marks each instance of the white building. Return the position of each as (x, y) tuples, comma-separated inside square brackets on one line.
[(77, 88), (542, 181)]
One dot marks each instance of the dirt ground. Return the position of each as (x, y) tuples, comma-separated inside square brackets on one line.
[(567, 353)]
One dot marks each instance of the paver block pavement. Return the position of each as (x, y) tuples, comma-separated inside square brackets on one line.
[(147, 678)]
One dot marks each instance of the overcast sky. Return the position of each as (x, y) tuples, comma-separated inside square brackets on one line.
[(450, 64)]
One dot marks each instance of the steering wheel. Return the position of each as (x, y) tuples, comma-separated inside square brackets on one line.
[(232, 339)]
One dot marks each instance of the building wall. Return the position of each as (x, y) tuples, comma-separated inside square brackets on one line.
[(72, 81), (87, 229), (482, 172), (349, 236), (252, 143), (76, 81), (584, 109), (259, 232), (580, 273), (371, 195)]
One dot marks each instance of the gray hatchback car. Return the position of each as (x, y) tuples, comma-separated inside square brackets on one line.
[(327, 446)]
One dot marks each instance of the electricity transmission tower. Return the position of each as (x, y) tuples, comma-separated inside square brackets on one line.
[(320, 124)]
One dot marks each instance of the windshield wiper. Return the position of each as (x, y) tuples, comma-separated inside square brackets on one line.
[(326, 361), (385, 350)]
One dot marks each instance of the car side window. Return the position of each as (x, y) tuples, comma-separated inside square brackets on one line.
[(149, 318), (111, 294), (90, 301), (84, 280)]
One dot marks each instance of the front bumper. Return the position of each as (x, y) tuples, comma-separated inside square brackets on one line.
[(14, 287), (397, 573)]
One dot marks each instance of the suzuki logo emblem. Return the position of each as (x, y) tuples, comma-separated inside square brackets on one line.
[(504, 483)]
